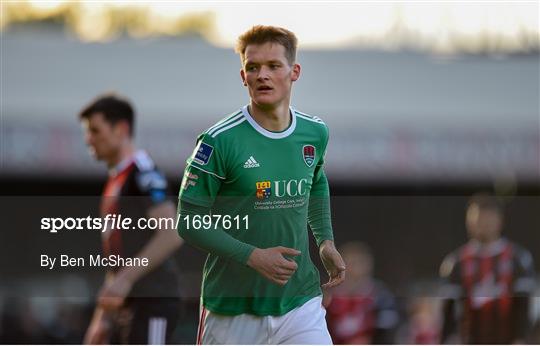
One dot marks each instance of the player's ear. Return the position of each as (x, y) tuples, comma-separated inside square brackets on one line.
[(243, 76), (295, 72), (123, 127)]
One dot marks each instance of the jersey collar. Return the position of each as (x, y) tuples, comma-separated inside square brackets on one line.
[(265, 132), (492, 249), (125, 163)]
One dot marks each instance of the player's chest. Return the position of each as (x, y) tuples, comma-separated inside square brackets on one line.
[(115, 187), (287, 168)]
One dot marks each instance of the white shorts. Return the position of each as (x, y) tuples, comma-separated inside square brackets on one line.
[(305, 324)]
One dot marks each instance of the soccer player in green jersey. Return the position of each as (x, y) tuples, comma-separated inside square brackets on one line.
[(256, 179)]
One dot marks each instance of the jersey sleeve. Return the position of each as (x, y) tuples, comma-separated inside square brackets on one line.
[(524, 286), (215, 241), (319, 171), (204, 173), (449, 273), (152, 184), (387, 316), (451, 291), (202, 180), (525, 275), (319, 215)]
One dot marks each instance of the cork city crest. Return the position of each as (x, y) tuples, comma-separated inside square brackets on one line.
[(308, 152)]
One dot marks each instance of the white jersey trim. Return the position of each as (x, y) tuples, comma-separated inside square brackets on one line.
[(309, 117), (205, 171), (231, 125), (143, 161), (225, 121), (265, 132), (157, 329)]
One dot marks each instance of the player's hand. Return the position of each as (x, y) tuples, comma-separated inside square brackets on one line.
[(327, 298), (98, 332), (334, 264), (114, 292), (272, 264)]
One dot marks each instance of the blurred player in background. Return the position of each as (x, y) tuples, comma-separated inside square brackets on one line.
[(264, 162), (491, 280), (137, 304), (535, 334), (423, 322), (362, 310)]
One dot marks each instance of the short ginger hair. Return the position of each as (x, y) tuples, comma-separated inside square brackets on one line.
[(261, 34)]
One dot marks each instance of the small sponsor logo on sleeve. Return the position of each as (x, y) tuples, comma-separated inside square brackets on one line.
[(203, 153), (190, 179)]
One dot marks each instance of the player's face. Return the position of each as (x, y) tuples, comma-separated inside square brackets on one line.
[(102, 138), (268, 75), (483, 225)]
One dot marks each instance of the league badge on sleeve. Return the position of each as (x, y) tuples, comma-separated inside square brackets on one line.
[(309, 154), (202, 153)]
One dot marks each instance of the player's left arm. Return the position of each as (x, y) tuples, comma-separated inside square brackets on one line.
[(320, 222), (387, 316), (452, 293), (160, 246), (524, 286)]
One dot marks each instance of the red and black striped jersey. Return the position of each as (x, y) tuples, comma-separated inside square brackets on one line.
[(368, 316), (489, 288), (133, 187)]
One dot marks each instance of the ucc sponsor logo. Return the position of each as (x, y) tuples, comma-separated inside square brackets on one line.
[(281, 188)]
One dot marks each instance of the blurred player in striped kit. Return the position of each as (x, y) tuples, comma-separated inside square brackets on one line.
[(136, 304), (362, 310), (489, 280)]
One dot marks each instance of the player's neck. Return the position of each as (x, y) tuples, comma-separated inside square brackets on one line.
[(275, 119), (126, 151), (487, 242)]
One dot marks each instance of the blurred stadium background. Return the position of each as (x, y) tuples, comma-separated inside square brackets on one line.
[(427, 103)]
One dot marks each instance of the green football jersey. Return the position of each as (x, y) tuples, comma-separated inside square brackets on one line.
[(262, 180)]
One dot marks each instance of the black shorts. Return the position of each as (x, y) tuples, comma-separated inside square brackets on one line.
[(145, 321)]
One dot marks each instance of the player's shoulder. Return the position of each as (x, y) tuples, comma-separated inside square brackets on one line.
[(516, 248), (522, 255), (311, 123), (143, 162), (224, 127), (216, 138), (306, 118), (147, 176)]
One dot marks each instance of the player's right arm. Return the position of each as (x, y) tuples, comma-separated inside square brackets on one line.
[(205, 172), (523, 288), (452, 292), (270, 263), (98, 332), (214, 240)]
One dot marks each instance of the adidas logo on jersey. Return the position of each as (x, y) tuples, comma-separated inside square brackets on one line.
[(251, 163)]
